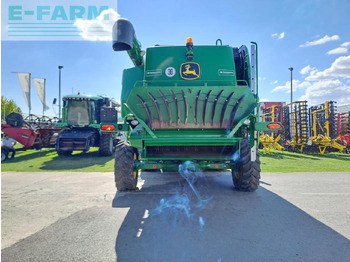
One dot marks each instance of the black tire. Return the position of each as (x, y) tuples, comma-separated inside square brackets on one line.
[(106, 144), (246, 174), (4, 154), (14, 119), (124, 175)]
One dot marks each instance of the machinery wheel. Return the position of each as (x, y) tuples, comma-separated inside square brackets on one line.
[(124, 175), (106, 144), (4, 154), (246, 175)]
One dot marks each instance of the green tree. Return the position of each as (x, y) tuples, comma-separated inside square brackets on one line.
[(8, 106)]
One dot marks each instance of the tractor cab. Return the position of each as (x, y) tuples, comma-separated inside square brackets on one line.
[(84, 110)]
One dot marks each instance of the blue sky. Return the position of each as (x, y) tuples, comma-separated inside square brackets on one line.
[(311, 36)]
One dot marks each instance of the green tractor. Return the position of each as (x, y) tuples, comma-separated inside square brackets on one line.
[(189, 102), (82, 122)]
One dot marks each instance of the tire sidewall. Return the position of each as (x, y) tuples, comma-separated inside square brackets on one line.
[(4, 154)]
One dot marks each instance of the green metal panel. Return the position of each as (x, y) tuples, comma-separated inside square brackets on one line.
[(130, 76), (210, 104), (215, 62)]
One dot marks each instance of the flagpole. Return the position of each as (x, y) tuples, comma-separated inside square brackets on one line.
[(30, 104), (59, 92), (44, 96)]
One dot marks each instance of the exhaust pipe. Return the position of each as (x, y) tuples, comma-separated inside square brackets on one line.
[(124, 39)]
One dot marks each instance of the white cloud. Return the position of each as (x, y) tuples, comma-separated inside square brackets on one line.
[(320, 86), (279, 36), (327, 90), (337, 51), (274, 82), (307, 69), (346, 44), (263, 100), (339, 68), (318, 92), (296, 85), (321, 41), (99, 29)]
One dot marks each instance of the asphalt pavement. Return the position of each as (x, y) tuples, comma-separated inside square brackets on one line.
[(59, 216)]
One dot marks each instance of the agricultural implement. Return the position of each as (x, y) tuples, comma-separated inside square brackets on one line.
[(267, 139), (41, 135), (82, 119), (189, 102), (317, 129), (344, 128), (295, 126), (324, 133)]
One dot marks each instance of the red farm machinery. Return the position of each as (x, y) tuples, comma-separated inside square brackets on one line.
[(33, 132)]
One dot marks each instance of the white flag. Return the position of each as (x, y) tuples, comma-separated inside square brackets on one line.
[(24, 80), (39, 84)]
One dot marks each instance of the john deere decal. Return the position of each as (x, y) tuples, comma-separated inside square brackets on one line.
[(190, 71)]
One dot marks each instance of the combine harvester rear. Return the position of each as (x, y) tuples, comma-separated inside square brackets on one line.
[(189, 102)]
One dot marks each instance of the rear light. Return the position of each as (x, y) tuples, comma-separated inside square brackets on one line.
[(154, 167), (216, 166), (273, 126), (108, 127)]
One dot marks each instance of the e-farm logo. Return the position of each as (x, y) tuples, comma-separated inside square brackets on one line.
[(58, 19)]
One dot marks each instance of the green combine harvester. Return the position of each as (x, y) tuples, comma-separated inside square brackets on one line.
[(189, 102), (82, 116)]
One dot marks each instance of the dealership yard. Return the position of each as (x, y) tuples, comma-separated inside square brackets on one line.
[(76, 216)]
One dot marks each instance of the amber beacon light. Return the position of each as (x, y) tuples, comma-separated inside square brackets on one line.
[(189, 41)]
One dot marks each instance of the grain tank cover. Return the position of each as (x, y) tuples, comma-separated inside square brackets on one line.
[(169, 63)]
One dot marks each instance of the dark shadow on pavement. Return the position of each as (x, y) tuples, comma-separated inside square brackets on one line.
[(238, 226), (76, 161), (23, 156)]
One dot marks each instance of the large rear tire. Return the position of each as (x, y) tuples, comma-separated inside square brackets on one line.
[(124, 175), (106, 144), (246, 174)]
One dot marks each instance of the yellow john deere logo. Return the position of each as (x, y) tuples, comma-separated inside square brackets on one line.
[(190, 71)]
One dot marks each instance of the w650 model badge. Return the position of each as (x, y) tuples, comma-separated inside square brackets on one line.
[(190, 71)]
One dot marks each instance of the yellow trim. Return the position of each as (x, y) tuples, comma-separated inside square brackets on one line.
[(135, 172)]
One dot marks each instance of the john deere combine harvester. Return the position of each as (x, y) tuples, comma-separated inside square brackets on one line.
[(82, 117), (188, 102)]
